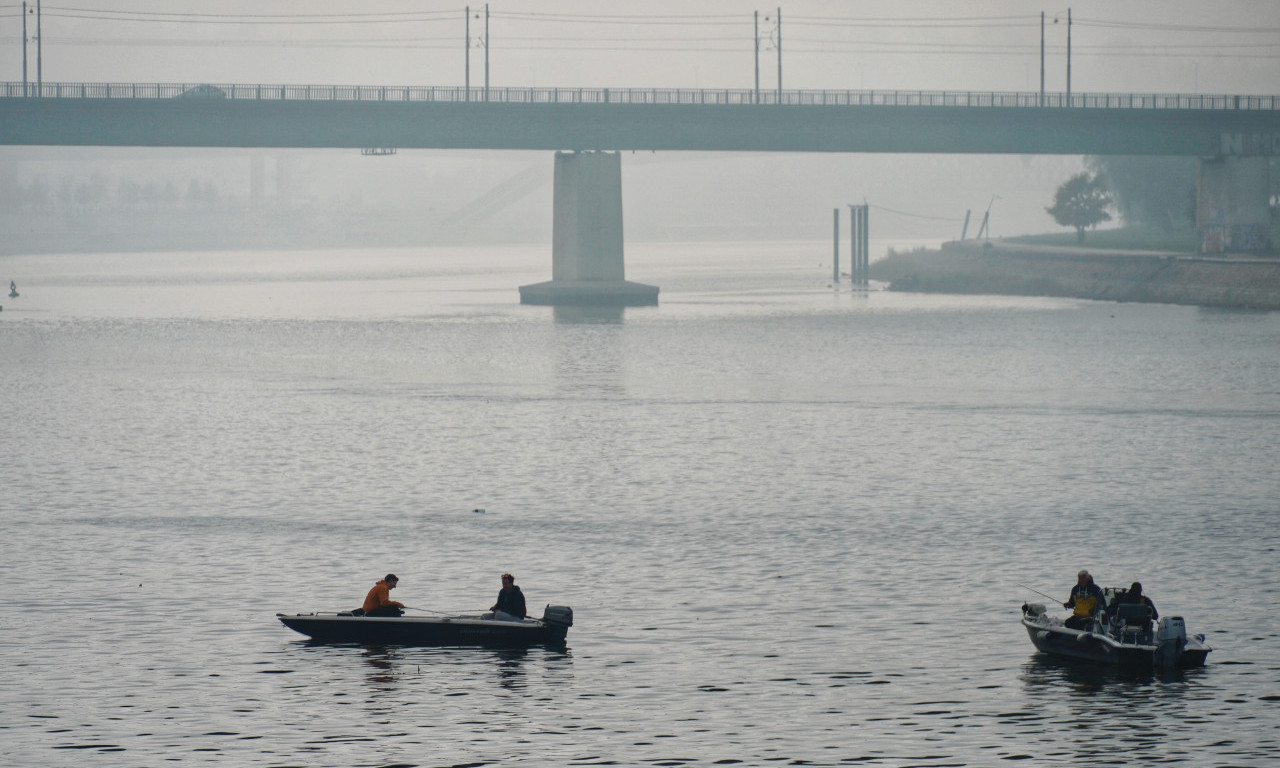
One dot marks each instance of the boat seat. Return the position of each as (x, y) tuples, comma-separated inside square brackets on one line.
[(1134, 620), (1134, 614)]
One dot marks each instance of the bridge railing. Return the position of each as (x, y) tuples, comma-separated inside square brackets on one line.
[(703, 96)]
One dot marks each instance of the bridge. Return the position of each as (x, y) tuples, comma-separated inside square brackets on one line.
[(1233, 134)]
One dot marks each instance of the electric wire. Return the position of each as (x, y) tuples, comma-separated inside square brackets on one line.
[(698, 43), (916, 215)]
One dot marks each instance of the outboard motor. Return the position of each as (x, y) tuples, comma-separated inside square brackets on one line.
[(558, 615), (1171, 638)]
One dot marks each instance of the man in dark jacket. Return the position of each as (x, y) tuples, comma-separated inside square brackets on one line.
[(1135, 597), (510, 605)]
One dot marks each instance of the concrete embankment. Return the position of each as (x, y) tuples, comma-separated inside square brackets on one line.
[(1018, 269)]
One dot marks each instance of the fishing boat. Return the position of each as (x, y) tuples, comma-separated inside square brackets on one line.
[(461, 630), (1124, 636)]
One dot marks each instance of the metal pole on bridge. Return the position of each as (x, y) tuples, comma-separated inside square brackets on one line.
[(779, 55), (1041, 61), (39, 47), (467, 77), (757, 96), (24, 48), (1068, 57), (486, 51)]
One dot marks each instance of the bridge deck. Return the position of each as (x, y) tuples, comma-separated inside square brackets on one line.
[(721, 96), (232, 115)]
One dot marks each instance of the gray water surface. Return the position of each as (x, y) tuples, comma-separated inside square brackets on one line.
[(792, 520)]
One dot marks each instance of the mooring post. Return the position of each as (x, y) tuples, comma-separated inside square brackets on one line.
[(835, 248), (865, 274), (853, 244), (859, 244)]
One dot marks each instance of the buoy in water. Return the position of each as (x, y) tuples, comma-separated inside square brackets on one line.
[(478, 511)]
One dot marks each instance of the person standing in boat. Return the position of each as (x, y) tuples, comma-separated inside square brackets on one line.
[(510, 605), (1086, 599), (379, 603)]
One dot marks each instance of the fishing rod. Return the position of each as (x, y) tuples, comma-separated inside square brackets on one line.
[(1038, 592), (441, 613)]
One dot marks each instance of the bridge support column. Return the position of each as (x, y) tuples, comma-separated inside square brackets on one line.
[(1232, 205), (586, 251)]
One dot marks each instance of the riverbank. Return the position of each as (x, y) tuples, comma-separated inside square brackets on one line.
[(1023, 269)]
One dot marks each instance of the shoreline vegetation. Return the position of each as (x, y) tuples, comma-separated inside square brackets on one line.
[(1114, 265)]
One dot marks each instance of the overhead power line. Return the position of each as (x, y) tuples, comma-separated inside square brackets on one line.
[(301, 15), (703, 45), (690, 33), (240, 21), (916, 215), (1191, 28)]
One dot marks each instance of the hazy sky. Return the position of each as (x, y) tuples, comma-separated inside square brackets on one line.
[(1225, 46), (1117, 45)]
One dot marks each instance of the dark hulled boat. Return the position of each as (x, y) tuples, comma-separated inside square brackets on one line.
[(347, 627)]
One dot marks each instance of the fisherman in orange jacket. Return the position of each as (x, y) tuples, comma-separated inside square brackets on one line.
[(379, 603)]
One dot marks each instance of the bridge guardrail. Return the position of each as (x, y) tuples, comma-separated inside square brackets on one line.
[(700, 96)]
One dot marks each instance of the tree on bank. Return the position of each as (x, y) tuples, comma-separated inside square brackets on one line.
[(1081, 202), (1153, 191)]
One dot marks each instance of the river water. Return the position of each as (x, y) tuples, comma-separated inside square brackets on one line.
[(792, 519)]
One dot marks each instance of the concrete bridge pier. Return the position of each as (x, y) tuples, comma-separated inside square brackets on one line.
[(1233, 204), (586, 251)]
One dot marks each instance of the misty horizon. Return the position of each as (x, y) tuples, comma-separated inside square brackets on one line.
[(993, 45)]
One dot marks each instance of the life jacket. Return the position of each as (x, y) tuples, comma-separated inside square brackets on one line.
[(1086, 600)]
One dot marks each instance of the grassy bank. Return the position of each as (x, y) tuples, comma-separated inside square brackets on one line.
[(1121, 239), (1180, 240), (1033, 269)]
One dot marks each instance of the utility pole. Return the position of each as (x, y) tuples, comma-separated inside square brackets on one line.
[(24, 48), (1068, 57), (39, 46), (757, 97), (486, 51), (467, 47), (779, 55), (1041, 61)]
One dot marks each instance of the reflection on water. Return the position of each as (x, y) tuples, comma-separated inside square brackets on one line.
[(511, 667), (1045, 671), (395, 669), (1129, 716), (383, 668), (589, 314)]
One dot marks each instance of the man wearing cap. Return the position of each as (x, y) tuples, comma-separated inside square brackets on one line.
[(379, 603), (1086, 599), (510, 605)]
